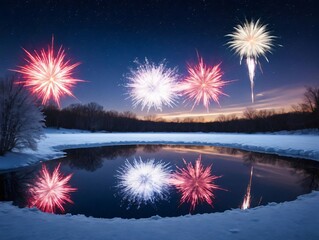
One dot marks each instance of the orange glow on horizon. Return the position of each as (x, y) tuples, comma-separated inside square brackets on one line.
[(279, 100)]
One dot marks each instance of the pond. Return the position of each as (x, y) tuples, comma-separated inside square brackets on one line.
[(139, 181)]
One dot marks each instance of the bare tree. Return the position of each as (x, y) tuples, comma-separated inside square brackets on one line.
[(232, 117), (21, 121), (250, 113), (93, 112), (264, 114), (296, 108), (188, 120), (151, 117), (226, 118), (311, 100), (221, 118), (128, 114)]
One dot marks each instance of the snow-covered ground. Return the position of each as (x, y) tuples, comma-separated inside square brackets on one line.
[(290, 220), (286, 221), (295, 145)]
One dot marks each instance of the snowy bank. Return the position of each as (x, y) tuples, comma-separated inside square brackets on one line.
[(294, 145), (289, 220)]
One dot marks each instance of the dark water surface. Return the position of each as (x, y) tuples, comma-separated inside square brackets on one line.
[(101, 186)]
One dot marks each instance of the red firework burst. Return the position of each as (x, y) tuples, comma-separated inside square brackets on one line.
[(195, 183), (50, 191), (203, 84), (48, 75)]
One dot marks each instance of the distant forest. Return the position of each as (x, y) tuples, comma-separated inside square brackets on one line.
[(93, 117)]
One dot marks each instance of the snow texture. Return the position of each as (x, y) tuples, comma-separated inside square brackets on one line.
[(21, 121), (290, 220), (294, 145)]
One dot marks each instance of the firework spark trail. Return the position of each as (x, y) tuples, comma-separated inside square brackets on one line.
[(251, 40), (195, 183), (50, 192), (251, 64), (247, 198), (153, 86), (48, 75), (143, 182), (203, 84)]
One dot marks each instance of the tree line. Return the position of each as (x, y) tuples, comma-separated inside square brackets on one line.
[(93, 117), (22, 118)]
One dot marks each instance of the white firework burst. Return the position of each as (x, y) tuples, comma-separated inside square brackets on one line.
[(144, 182), (251, 40), (152, 85)]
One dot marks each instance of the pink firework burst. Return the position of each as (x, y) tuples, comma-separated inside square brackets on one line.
[(203, 84), (195, 183), (48, 75), (50, 192)]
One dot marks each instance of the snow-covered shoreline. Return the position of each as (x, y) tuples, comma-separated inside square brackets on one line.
[(290, 220), (52, 146)]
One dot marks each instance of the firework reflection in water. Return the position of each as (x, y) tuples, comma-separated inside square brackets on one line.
[(143, 182), (50, 191), (247, 198), (195, 183)]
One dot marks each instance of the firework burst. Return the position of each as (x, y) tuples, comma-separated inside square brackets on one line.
[(204, 84), (251, 40), (48, 75), (153, 86), (195, 183), (50, 192), (247, 198), (144, 181)]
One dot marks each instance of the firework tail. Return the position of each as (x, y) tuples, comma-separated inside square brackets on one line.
[(247, 199), (251, 64)]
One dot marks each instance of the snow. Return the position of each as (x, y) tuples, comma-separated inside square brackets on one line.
[(290, 220), (285, 144)]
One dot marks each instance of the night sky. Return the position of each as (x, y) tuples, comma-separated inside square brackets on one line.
[(107, 36)]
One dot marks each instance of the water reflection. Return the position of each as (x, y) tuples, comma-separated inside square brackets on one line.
[(195, 183), (93, 158), (310, 179), (152, 148), (307, 168), (275, 178), (13, 185), (50, 191), (247, 198), (143, 181)]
